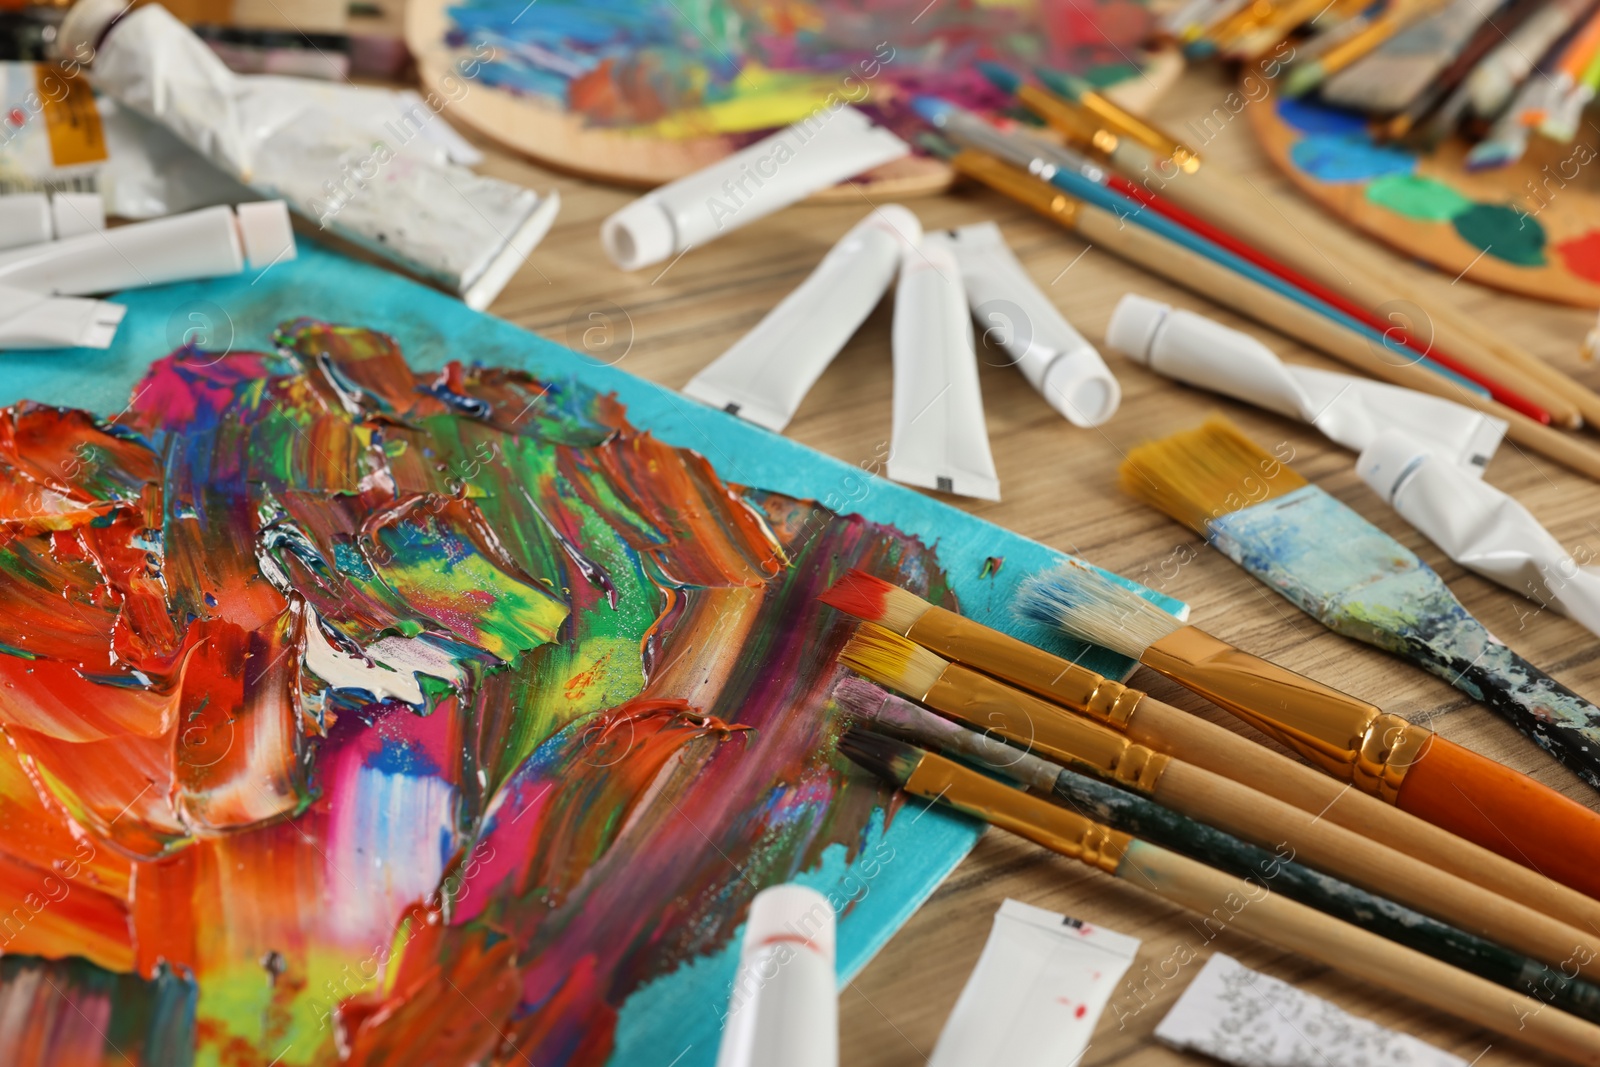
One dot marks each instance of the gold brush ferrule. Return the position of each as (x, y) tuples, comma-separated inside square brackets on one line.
[(1043, 728), (1067, 118), (1137, 129), (956, 637), (1014, 182), (1344, 735), (1009, 808)]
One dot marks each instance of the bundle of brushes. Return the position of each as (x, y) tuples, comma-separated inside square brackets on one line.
[(1353, 578), (1497, 73), (1454, 971)]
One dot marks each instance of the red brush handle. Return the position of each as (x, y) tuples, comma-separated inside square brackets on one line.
[(1505, 811)]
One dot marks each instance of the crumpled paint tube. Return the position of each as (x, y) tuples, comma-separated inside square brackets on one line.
[(1249, 1019), (1036, 993), (1480, 527), (353, 160), (33, 320), (1351, 411), (765, 374), (939, 439)]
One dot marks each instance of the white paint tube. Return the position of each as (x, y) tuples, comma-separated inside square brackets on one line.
[(1350, 411), (210, 243), (784, 1009), (1251, 1019), (33, 218), (790, 165), (939, 439), (1480, 527), (1037, 991), (30, 319), (765, 375), (1064, 368), (354, 160)]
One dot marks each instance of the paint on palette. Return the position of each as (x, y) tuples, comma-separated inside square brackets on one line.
[(1582, 255), (679, 71), (1337, 149), (453, 685)]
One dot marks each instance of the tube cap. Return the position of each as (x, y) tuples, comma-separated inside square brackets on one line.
[(84, 25), (1133, 326), (792, 914), (1388, 460), (266, 232), (639, 234), (1082, 388)]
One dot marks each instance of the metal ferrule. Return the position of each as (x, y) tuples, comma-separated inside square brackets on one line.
[(1130, 126), (1009, 808), (1019, 185), (956, 637), (1043, 728), (1068, 119), (1345, 736)]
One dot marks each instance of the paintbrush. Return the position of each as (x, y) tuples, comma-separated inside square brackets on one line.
[(1167, 259), (1397, 16), (1115, 117), (1499, 23), (1131, 814), (1394, 74), (1221, 898), (1352, 577), (1048, 730), (1396, 761), (1160, 726), (1224, 199)]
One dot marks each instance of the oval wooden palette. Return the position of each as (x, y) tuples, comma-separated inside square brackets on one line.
[(1532, 228), (542, 130)]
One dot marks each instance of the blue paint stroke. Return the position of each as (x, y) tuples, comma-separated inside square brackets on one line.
[(1308, 116), (1340, 159)]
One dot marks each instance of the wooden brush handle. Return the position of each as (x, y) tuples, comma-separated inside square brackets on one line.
[(1215, 748), (1483, 801), (1246, 296), (1348, 856), (1228, 902)]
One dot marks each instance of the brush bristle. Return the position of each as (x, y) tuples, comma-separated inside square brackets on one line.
[(884, 756), (1202, 474), (860, 697), (1089, 606), (875, 600), (891, 660)]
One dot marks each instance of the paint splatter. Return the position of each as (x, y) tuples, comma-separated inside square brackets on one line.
[(1417, 196), (1345, 160), (677, 70), (1582, 255), (1503, 232), (991, 566), (414, 672), (1308, 116)]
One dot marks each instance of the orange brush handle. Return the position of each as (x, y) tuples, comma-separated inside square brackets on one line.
[(1505, 811)]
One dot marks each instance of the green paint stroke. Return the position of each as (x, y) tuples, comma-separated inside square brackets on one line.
[(1503, 232), (1418, 197)]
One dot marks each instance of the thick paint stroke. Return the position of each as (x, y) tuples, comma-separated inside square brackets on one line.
[(426, 716)]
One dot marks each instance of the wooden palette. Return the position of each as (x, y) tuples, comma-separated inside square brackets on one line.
[(539, 128), (1532, 228)]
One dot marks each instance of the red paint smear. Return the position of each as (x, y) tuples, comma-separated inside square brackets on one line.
[(1582, 255)]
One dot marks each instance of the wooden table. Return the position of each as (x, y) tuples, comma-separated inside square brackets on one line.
[(1059, 487)]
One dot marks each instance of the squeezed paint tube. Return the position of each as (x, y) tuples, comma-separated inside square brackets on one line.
[(1036, 993), (208, 243), (1479, 527), (33, 218), (767, 372), (1349, 410), (755, 181), (939, 439), (784, 1010), (1064, 368), (32, 320), (357, 161), (1251, 1019)]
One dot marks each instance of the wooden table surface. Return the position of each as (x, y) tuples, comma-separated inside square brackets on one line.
[(1059, 487)]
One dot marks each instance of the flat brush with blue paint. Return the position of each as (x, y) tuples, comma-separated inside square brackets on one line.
[(1353, 578), (1129, 813)]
